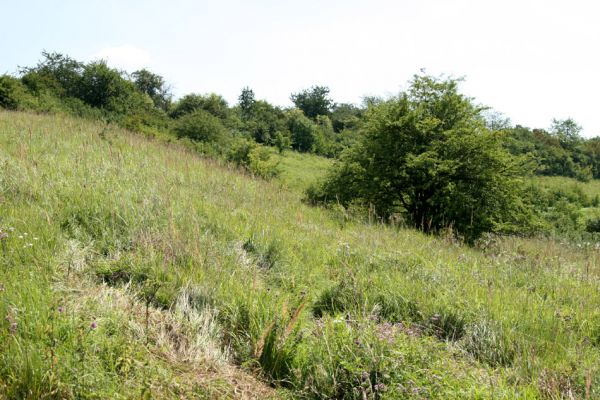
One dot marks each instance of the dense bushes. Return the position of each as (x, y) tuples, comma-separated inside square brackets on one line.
[(560, 152)]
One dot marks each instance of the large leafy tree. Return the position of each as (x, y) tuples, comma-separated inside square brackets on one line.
[(428, 155)]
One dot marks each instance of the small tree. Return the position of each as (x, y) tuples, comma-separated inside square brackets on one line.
[(567, 131), (314, 101), (104, 87), (428, 155), (154, 86), (247, 102)]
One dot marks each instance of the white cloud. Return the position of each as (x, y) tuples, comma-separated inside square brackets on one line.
[(126, 57)]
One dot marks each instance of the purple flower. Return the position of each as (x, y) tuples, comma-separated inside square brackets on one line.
[(93, 325), (61, 309)]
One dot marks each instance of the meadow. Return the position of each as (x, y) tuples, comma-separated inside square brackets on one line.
[(135, 268)]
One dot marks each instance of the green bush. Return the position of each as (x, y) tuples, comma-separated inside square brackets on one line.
[(212, 103), (593, 225), (427, 155), (303, 130), (201, 126), (254, 158), (11, 92)]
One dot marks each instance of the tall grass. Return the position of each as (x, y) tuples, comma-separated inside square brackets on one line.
[(181, 262)]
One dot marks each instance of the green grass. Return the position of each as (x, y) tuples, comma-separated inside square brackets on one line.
[(300, 170), (197, 276)]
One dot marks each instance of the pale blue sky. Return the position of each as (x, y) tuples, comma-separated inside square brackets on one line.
[(531, 60)]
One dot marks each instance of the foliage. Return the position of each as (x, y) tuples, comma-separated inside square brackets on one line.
[(560, 152), (202, 126), (10, 89), (264, 122), (313, 102), (303, 131), (346, 117), (154, 86), (255, 159), (246, 103), (211, 103), (427, 155), (56, 72), (282, 142), (593, 225)]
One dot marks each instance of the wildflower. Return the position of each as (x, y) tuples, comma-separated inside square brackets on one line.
[(93, 325), (13, 328), (20, 236), (25, 233), (365, 375), (61, 309), (35, 238), (11, 229)]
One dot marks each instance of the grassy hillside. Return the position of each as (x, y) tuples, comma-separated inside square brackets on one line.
[(132, 268)]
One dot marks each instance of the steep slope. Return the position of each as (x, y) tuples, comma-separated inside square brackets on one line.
[(136, 268)]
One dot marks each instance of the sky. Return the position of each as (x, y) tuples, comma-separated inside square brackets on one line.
[(530, 60)]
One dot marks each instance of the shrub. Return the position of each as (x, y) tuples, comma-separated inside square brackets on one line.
[(255, 159), (10, 92), (201, 126), (303, 130), (593, 225), (212, 103)]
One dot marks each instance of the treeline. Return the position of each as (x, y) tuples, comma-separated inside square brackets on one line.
[(142, 101), (559, 151)]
